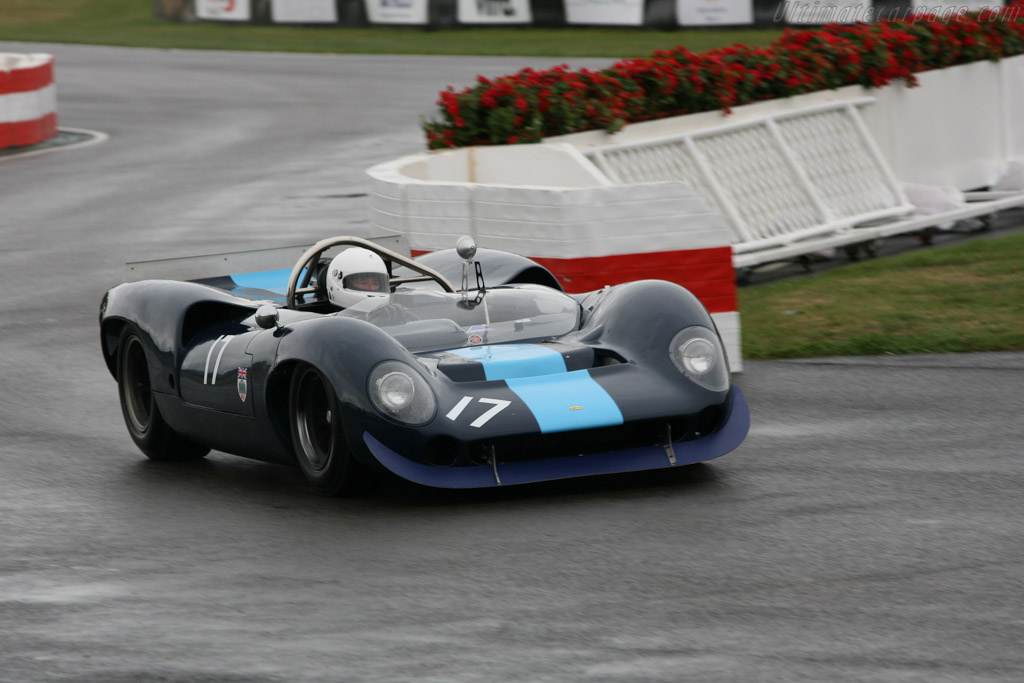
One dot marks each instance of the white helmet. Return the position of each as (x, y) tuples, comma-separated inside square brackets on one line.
[(356, 275)]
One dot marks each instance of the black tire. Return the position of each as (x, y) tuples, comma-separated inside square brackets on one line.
[(145, 424), (318, 439)]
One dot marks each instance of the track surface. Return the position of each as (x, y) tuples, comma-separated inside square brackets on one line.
[(868, 530)]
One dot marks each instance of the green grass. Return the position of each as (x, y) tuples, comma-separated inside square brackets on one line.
[(951, 299), (132, 23)]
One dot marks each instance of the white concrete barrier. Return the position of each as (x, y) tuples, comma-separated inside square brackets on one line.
[(28, 99), (1011, 112)]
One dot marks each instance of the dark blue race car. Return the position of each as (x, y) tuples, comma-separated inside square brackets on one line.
[(502, 380)]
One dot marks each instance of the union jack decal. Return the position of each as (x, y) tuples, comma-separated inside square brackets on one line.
[(243, 383)]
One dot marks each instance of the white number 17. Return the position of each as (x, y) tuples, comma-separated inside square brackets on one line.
[(497, 405)]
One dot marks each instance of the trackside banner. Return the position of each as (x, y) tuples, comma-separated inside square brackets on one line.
[(494, 12), (714, 12), (396, 11), (304, 11), (615, 12), (224, 10)]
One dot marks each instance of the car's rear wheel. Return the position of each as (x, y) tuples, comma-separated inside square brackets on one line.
[(318, 438), (145, 424)]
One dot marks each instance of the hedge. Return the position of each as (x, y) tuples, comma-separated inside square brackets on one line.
[(530, 105)]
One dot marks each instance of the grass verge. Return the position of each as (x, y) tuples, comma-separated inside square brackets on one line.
[(132, 23), (963, 298)]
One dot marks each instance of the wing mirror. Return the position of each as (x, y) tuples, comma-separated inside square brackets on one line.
[(267, 317), (466, 248)]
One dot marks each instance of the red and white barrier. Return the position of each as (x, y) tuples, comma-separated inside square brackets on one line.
[(28, 99)]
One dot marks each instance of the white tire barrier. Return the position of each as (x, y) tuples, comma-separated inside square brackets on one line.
[(28, 99)]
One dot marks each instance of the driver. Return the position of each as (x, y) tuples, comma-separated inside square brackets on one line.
[(357, 275)]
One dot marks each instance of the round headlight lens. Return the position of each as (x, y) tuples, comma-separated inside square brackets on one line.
[(396, 390), (400, 392), (697, 353)]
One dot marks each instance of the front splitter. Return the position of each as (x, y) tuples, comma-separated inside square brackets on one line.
[(726, 439)]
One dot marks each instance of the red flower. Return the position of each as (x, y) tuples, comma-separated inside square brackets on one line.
[(676, 81)]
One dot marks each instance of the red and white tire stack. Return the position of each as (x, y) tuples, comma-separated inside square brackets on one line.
[(28, 99)]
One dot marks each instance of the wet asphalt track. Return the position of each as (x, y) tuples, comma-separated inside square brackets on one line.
[(868, 530)]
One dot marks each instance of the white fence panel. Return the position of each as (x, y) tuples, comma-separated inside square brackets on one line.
[(778, 179)]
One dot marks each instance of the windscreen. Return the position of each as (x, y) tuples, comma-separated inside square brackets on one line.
[(424, 320)]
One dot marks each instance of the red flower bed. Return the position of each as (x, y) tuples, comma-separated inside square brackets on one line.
[(531, 105)]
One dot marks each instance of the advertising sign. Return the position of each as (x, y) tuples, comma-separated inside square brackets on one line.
[(303, 11), (612, 12), (494, 12), (396, 11), (712, 12), (224, 10), (827, 11)]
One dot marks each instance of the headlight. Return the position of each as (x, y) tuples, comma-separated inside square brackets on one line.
[(399, 392), (396, 391), (698, 354)]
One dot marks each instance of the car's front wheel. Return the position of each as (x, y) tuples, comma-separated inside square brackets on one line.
[(138, 405), (318, 439)]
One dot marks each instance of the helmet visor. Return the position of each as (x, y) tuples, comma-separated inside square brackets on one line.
[(366, 282)]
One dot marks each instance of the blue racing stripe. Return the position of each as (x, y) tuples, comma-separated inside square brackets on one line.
[(509, 361), (270, 280), (562, 403)]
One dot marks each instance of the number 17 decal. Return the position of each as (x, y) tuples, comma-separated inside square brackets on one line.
[(497, 405)]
